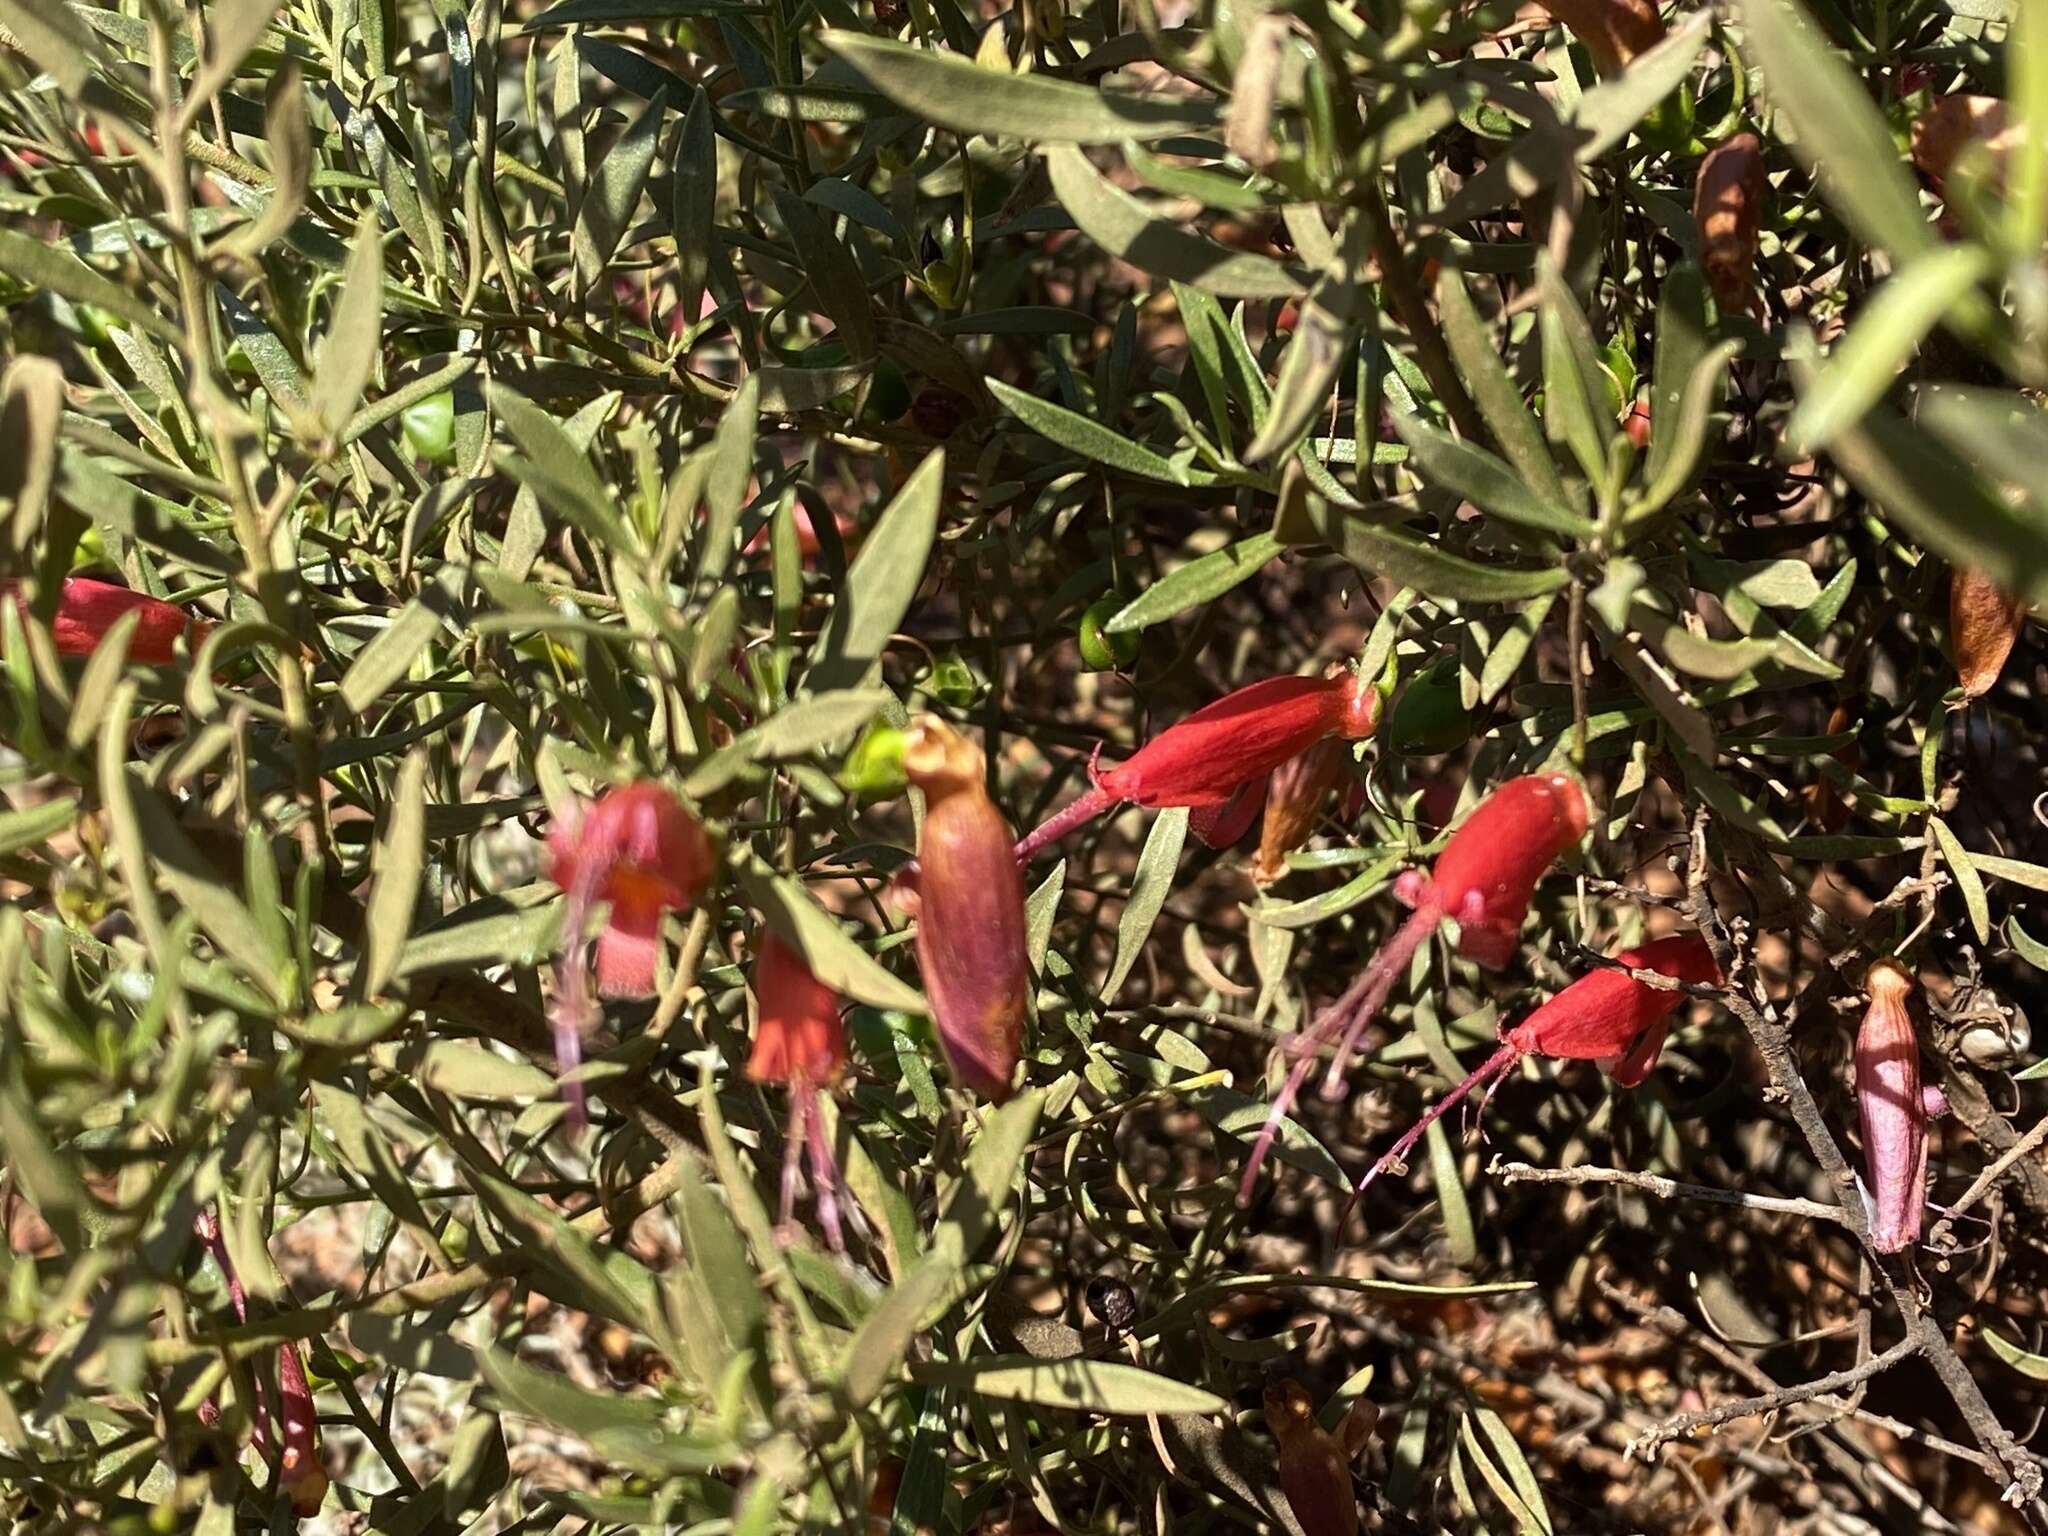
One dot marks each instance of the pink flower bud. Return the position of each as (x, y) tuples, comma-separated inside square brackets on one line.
[(1294, 799), (1895, 1109), (970, 925), (639, 853), (87, 609)]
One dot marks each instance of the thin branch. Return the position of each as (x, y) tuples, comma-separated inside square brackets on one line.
[(1646, 1445), (2027, 1144), (1667, 1189)]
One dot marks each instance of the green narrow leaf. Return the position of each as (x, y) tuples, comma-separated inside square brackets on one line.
[(972, 1211), (1609, 112), (1459, 1239), (725, 481), (556, 469), (1572, 389), (28, 261), (1415, 562), (1150, 886), (881, 582), (1964, 870), (1201, 580), (1838, 132), (832, 957), (233, 28), (1084, 1386), (693, 201), (2025, 1361), (835, 277), (1679, 439), (957, 93), (1485, 481), (1684, 316), (1126, 228), (820, 720), (1881, 340), (395, 883), (615, 188), (1493, 389), (1089, 438), (37, 824), (388, 656)]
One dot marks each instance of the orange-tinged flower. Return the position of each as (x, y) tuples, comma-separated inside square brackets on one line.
[(639, 853), (1727, 206), (800, 1041), (1294, 799), (1895, 1108), (1983, 625), (87, 609), (970, 925), (1210, 756), (1949, 126)]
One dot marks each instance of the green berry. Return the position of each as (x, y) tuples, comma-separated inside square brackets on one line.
[(430, 427), (1102, 651)]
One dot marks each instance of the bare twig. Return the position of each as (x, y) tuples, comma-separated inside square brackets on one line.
[(1646, 1445), (2025, 1146), (1666, 1189)]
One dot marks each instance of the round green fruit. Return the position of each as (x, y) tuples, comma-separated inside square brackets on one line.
[(429, 426), (1102, 651)]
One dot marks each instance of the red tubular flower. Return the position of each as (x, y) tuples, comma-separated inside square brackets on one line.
[(1606, 1016), (1483, 881), (640, 853), (87, 609), (1895, 1109), (800, 1041), (1294, 799), (300, 1472), (970, 926), (1212, 754)]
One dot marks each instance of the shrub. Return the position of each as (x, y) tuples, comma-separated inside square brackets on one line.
[(549, 554)]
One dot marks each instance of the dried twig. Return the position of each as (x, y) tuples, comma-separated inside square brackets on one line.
[(2026, 1145), (1666, 1189), (1646, 1445)]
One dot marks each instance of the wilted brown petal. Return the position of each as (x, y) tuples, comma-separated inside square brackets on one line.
[(1983, 624), (1726, 207)]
